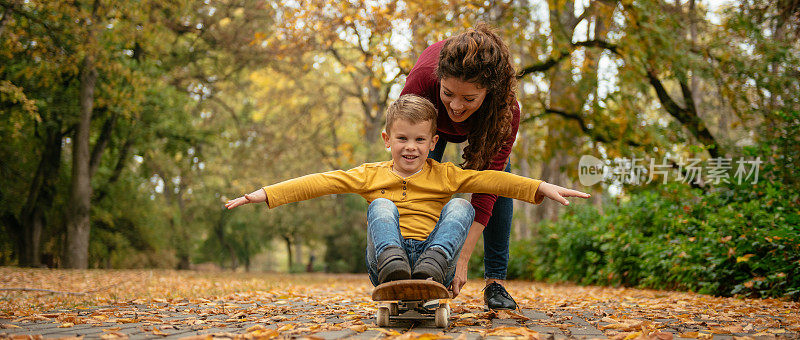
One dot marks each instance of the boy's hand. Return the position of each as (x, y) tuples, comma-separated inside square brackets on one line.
[(257, 196), (557, 193)]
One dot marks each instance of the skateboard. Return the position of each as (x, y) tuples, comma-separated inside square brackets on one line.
[(412, 300)]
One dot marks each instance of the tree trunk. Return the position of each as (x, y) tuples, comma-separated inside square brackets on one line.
[(78, 227), (3, 21), (33, 234), (181, 221), (288, 241), (562, 96), (234, 258), (298, 249), (695, 81), (184, 263), (522, 226), (219, 230), (40, 197)]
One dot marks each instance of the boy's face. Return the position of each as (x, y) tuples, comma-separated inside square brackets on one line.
[(410, 144)]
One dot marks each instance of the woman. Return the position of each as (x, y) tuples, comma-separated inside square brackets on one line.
[(471, 81)]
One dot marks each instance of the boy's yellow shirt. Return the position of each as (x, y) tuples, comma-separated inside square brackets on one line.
[(419, 197)]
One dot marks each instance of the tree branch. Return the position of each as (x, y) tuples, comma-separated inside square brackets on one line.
[(553, 61), (596, 136), (101, 143), (543, 66), (586, 12), (123, 156), (598, 43), (49, 30), (687, 96), (592, 133), (669, 104), (341, 61), (686, 116)]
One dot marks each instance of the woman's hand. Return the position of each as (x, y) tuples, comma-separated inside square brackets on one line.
[(257, 196), (461, 276), (557, 193)]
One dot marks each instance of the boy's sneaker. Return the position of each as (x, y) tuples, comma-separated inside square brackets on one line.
[(431, 264), (496, 297), (393, 265)]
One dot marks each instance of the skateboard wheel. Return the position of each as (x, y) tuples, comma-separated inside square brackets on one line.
[(382, 317), (394, 309), (442, 317), (446, 305)]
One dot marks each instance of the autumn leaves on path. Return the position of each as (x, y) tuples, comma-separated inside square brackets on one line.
[(156, 304)]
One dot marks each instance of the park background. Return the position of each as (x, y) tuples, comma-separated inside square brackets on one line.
[(125, 126)]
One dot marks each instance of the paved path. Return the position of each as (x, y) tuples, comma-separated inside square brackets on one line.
[(151, 320), (170, 304), (226, 319)]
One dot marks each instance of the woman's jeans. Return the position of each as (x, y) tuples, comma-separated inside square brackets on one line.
[(497, 233), (449, 234)]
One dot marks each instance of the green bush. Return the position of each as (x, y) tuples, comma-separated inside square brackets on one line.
[(734, 240)]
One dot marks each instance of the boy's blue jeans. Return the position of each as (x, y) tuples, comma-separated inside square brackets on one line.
[(449, 234), (497, 233)]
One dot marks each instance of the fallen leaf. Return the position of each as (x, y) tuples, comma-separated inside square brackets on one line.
[(662, 336), (198, 337), (523, 331), (510, 314), (358, 328), (254, 328), (627, 325), (286, 327), (430, 336), (633, 335), (264, 334), (386, 332)]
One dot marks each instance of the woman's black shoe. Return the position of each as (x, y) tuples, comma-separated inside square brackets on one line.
[(496, 297)]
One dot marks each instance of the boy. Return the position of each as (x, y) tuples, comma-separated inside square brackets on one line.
[(409, 219)]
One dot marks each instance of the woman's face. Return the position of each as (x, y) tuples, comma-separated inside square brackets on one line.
[(461, 98)]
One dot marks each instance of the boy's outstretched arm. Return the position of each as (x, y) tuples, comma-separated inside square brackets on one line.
[(258, 196), (557, 193)]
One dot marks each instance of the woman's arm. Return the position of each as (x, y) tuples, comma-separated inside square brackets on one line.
[(475, 232)]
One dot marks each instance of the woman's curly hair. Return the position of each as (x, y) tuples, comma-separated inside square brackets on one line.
[(481, 57)]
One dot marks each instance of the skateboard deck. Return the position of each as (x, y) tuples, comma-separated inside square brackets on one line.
[(412, 300)]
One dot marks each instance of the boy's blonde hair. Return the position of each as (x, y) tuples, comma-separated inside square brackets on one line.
[(412, 108)]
